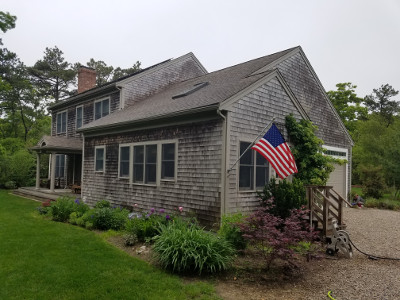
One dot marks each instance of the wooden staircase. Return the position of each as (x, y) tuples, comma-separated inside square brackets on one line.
[(325, 205)]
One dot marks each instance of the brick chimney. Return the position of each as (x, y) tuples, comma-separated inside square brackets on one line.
[(86, 79)]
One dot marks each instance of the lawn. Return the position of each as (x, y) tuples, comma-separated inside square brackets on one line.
[(43, 259)]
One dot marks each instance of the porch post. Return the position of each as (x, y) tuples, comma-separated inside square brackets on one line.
[(53, 171), (37, 170)]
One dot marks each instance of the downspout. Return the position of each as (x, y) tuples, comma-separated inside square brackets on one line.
[(223, 163)]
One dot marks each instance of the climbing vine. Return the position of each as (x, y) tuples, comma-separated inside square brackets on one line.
[(314, 167)]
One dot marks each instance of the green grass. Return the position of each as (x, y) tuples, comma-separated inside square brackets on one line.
[(43, 259), (387, 201)]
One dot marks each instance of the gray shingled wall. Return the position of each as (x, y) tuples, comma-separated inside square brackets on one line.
[(305, 86), (197, 187), (247, 119), (153, 81)]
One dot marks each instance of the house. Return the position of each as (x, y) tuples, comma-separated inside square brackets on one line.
[(166, 136)]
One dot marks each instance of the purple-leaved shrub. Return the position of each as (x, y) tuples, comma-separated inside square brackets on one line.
[(274, 237)]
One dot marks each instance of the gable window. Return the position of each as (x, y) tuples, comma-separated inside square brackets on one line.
[(124, 155), (79, 116), (61, 126), (168, 161), (101, 108), (60, 165), (99, 158), (253, 169)]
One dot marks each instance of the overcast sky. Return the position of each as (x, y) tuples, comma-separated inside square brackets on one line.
[(354, 41)]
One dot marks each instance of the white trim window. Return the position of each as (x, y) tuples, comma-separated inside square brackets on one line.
[(60, 165), (79, 116), (61, 122), (124, 158), (148, 163), (254, 170), (168, 161), (100, 159), (101, 108)]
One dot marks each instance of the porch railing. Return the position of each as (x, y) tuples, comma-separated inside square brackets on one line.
[(325, 205)]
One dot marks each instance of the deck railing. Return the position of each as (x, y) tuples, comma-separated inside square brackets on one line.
[(325, 205)]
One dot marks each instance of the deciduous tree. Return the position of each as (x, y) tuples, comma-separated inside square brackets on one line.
[(380, 102)]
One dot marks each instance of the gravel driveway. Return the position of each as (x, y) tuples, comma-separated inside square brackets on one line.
[(374, 231)]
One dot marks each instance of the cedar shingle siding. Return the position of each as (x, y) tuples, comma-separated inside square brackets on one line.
[(198, 171), (226, 107)]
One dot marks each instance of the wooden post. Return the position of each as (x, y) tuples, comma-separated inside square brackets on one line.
[(37, 171), (53, 171)]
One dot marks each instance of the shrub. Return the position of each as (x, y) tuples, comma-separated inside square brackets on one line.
[(61, 209), (231, 232), (80, 208), (145, 226), (130, 239), (10, 185), (102, 204), (109, 218), (274, 237), (287, 196), (188, 248), (373, 182)]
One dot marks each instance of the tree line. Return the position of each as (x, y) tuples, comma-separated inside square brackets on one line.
[(25, 94), (374, 124)]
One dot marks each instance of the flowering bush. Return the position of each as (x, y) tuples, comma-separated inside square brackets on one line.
[(274, 237)]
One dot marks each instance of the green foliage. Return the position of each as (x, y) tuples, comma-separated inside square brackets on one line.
[(286, 195), (52, 76), (382, 204), (7, 22), (130, 239), (22, 168), (313, 167), (62, 209), (106, 218), (182, 248), (373, 181), (102, 204), (144, 227), (348, 105), (231, 232), (380, 102)]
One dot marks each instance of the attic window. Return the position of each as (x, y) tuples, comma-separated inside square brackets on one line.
[(191, 90)]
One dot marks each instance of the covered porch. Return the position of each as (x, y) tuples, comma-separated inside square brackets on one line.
[(43, 194), (65, 165)]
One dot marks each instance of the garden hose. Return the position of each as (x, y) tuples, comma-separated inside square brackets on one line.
[(370, 256)]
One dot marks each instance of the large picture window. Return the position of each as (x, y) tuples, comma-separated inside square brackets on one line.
[(100, 157), (101, 108), (253, 169), (149, 162), (61, 126)]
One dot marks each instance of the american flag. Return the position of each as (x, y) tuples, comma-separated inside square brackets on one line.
[(274, 148)]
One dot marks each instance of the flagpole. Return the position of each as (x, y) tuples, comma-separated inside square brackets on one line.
[(251, 145)]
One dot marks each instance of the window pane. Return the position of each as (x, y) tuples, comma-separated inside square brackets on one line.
[(151, 164), (97, 110), (58, 123), (124, 162), (79, 117), (64, 122), (151, 153), (246, 177), (168, 161), (138, 163), (261, 176), (99, 159), (106, 107), (246, 169), (247, 158)]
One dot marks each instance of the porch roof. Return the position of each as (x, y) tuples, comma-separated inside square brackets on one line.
[(59, 144)]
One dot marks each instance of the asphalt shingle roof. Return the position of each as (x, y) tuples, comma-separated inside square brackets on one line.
[(222, 85)]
